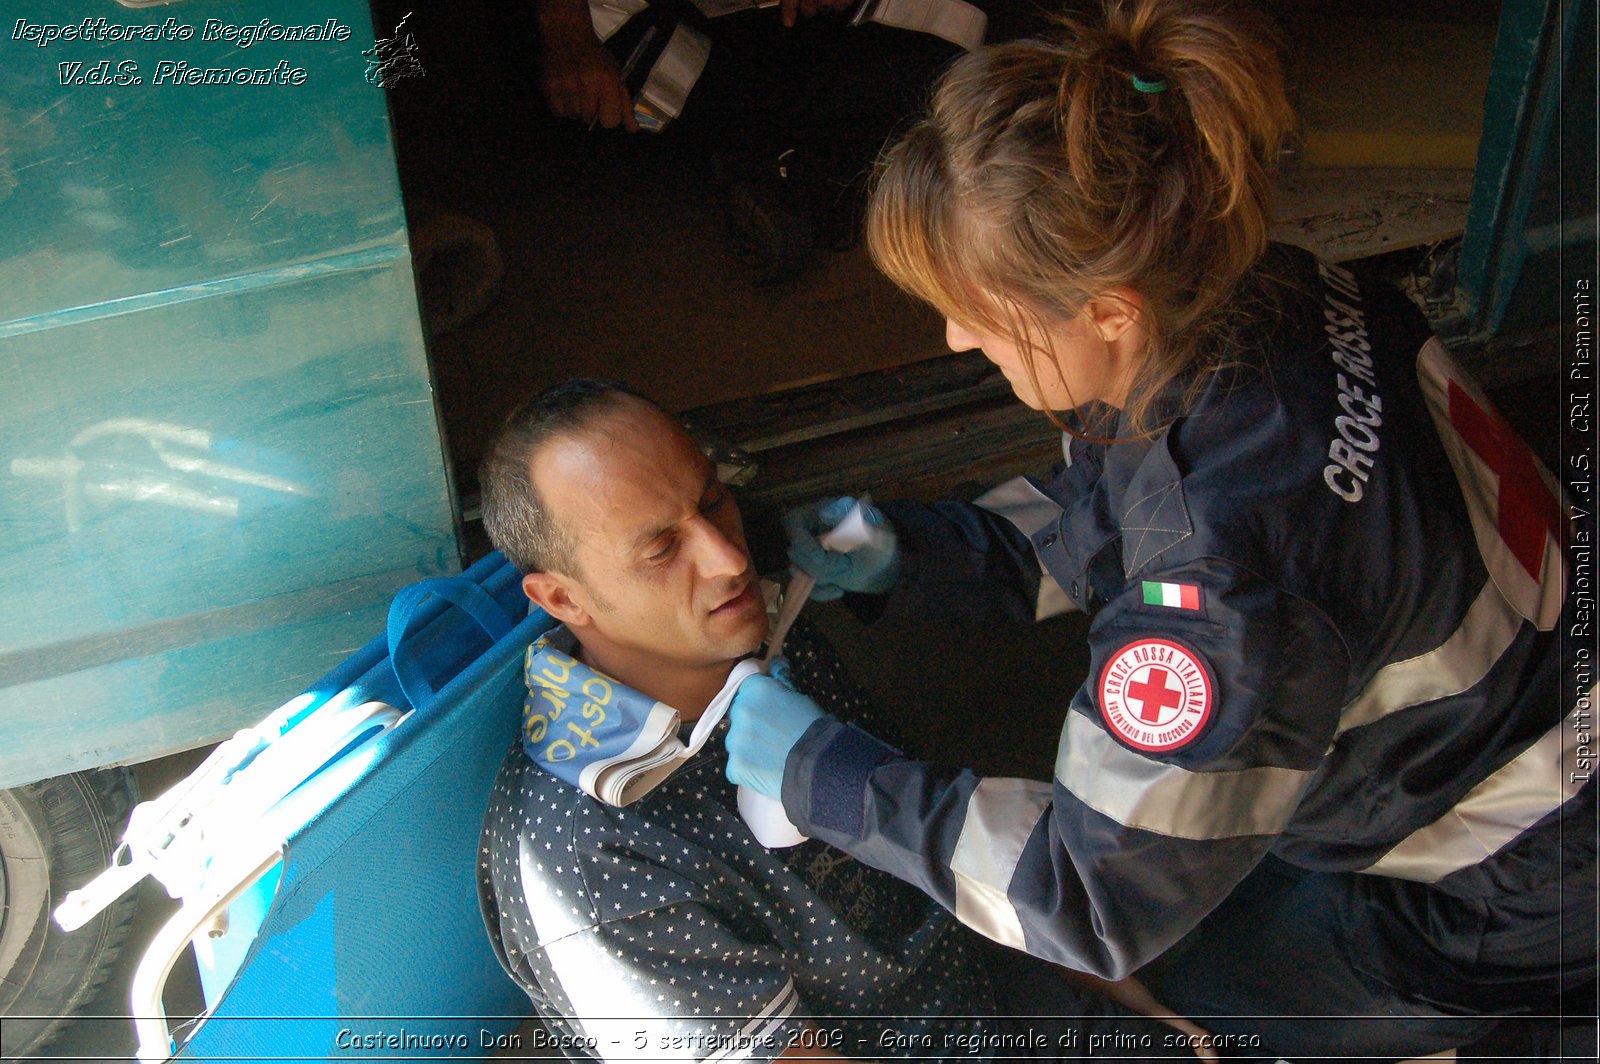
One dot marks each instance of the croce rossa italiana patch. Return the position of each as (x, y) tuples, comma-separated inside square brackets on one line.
[(1157, 694)]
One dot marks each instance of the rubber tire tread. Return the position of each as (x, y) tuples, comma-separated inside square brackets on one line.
[(79, 818)]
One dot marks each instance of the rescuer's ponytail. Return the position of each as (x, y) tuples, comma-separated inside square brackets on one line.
[(1131, 152)]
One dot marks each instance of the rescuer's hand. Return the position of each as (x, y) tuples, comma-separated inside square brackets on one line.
[(765, 721), (871, 567)]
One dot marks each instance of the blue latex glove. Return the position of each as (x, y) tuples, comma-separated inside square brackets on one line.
[(871, 568), (765, 720)]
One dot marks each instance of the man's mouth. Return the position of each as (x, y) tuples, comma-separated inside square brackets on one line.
[(749, 595)]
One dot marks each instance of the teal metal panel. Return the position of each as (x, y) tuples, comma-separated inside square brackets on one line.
[(219, 453), (1533, 197)]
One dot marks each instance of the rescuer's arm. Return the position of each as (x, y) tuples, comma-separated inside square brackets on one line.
[(1181, 760)]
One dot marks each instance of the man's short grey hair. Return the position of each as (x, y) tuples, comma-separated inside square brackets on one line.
[(515, 517)]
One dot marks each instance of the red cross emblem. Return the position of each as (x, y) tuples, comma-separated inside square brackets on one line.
[(1156, 694), (1526, 513)]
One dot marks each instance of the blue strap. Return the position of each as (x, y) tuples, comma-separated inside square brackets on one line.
[(472, 599)]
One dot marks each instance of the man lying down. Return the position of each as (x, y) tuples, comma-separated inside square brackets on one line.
[(664, 930)]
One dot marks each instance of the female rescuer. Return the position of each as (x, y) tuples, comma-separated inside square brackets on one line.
[(1325, 578)]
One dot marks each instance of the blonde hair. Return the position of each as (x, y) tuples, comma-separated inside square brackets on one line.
[(1043, 178)]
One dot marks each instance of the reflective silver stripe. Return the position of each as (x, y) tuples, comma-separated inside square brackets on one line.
[(1521, 793), (1028, 508), (1454, 666), (1151, 796), (676, 70), (1142, 793), (955, 20), (1001, 815)]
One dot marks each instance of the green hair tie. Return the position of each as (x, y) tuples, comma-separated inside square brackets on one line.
[(1152, 86)]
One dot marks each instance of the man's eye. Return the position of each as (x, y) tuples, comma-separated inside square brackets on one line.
[(663, 553)]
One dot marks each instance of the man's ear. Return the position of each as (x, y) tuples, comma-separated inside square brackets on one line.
[(553, 593)]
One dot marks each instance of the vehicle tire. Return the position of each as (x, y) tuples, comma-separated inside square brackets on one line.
[(771, 234), (55, 836), (458, 266)]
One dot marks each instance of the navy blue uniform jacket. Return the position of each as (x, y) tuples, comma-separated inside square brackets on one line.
[(1325, 606)]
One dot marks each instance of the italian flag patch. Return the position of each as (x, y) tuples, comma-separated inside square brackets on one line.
[(1177, 596)]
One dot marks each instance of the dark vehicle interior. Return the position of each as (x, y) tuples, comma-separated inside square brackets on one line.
[(716, 265)]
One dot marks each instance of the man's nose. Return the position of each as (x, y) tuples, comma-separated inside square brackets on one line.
[(958, 338), (719, 555)]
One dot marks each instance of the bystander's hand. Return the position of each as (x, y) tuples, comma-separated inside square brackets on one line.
[(791, 10), (581, 79)]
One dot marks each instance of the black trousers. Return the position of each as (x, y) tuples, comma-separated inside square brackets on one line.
[(821, 81), (1343, 965)]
